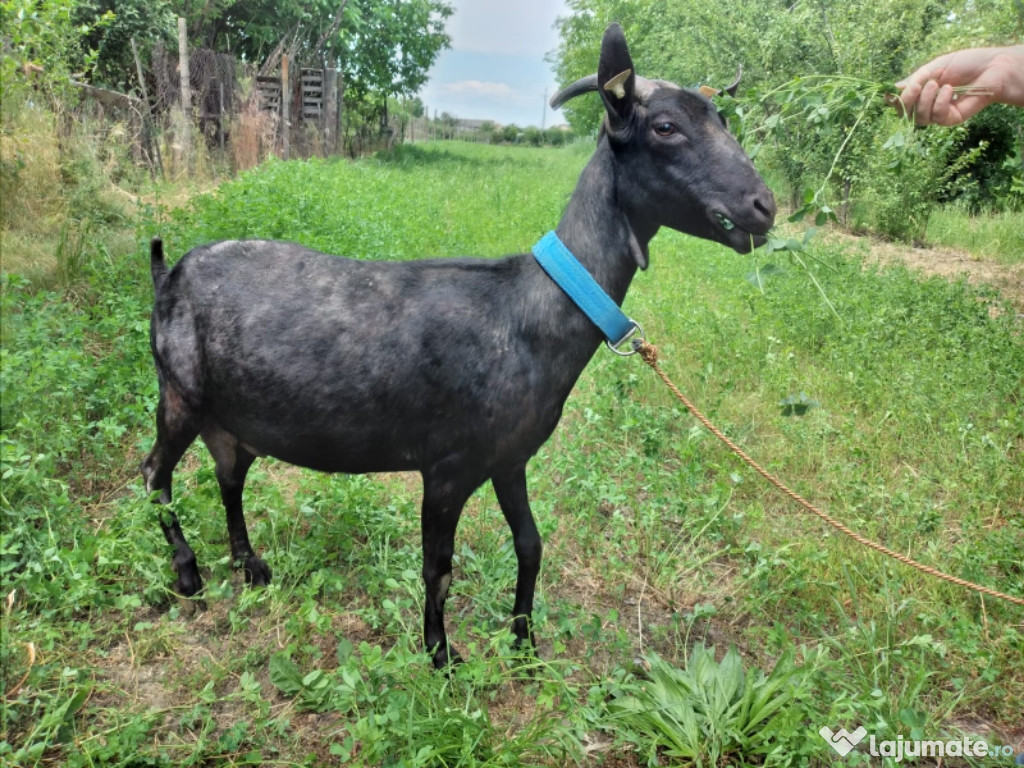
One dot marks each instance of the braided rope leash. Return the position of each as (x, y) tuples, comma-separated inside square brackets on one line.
[(649, 353)]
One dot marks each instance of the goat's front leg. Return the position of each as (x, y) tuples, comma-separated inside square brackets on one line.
[(515, 505), (443, 499)]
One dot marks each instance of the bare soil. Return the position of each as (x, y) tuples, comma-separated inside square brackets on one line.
[(949, 263)]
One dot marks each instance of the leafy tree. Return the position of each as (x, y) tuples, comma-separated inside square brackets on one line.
[(391, 47), (111, 42), (814, 76), (511, 133), (415, 106), (43, 43), (486, 132), (384, 48), (556, 137)]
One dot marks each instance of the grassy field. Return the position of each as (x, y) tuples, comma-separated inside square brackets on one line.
[(659, 545)]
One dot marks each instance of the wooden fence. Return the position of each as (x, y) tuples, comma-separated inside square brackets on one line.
[(227, 112)]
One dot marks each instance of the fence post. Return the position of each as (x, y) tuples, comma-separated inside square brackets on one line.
[(220, 116), (286, 107), (339, 141), (330, 111), (185, 129), (150, 138)]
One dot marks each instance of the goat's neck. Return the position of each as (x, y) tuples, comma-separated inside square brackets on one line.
[(597, 230)]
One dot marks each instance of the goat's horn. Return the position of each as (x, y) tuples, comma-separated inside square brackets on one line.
[(581, 86), (731, 89), (644, 88), (710, 92)]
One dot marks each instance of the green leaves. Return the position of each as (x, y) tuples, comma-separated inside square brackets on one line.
[(797, 405), (400, 712), (762, 274), (392, 45), (313, 691), (707, 711)]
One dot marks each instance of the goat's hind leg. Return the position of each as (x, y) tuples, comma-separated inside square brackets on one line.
[(176, 428), (233, 461)]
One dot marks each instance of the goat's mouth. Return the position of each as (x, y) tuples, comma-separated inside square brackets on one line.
[(742, 238)]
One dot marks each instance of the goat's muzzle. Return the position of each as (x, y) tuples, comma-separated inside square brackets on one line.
[(745, 226)]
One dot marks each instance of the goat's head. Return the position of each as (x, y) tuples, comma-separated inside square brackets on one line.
[(680, 166)]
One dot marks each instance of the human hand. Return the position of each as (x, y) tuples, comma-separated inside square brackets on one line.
[(958, 85)]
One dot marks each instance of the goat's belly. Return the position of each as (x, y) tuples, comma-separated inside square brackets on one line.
[(323, 447), (387, 443), (329, 460)]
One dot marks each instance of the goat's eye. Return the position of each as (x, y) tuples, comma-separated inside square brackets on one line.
[(664, 129)]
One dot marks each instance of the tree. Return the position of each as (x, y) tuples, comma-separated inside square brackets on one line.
[(814, 75), (384, 48), (511, 133), (533, 136), (390, 47), (110, 42), (45, 43), (556, 137)]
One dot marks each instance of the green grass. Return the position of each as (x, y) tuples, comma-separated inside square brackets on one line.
[(995, 236), (657, 540)]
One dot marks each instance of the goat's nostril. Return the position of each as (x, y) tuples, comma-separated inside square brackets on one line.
[(765, 205)]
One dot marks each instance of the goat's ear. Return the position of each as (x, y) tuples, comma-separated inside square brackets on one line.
[(616, 80)]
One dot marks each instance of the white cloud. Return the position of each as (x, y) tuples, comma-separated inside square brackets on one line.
[(521, 28), (478, 89), (495, 69)]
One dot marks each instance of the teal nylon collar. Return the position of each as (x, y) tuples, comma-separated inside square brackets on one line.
[(580, 286)]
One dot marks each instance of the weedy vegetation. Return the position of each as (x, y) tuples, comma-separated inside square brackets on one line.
[(687, 615)]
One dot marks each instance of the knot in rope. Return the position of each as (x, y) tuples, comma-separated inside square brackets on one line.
[(648, 352)]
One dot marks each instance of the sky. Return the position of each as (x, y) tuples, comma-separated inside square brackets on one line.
[(495, 68)]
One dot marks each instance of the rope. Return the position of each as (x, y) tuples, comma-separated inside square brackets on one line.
[(649, 354)]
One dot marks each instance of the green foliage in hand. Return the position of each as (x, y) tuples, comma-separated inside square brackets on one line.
[(811, 106)]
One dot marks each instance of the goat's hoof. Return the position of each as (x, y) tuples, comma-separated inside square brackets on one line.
[(186, 591), (189, 581), (446, 658), (188, 606), (525, 642), (525, 646), (257, 572)]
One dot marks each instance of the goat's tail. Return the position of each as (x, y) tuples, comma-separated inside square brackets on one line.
[(157, 266)]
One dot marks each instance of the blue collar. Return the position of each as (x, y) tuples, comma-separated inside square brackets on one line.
[(580, 286)]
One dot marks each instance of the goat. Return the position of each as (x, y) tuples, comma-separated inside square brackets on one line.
[(457, 368)]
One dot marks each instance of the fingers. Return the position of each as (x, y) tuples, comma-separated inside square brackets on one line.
[(942, 105), (933, 103)]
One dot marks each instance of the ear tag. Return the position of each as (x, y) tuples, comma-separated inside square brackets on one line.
[(617, 84), (707, 90)]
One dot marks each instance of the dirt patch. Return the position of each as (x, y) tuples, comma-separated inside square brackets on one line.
[(1007, 279)]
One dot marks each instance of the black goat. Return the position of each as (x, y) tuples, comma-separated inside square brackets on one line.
[(457, 368)]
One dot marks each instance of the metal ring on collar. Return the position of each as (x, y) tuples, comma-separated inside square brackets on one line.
[(636, 330)]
